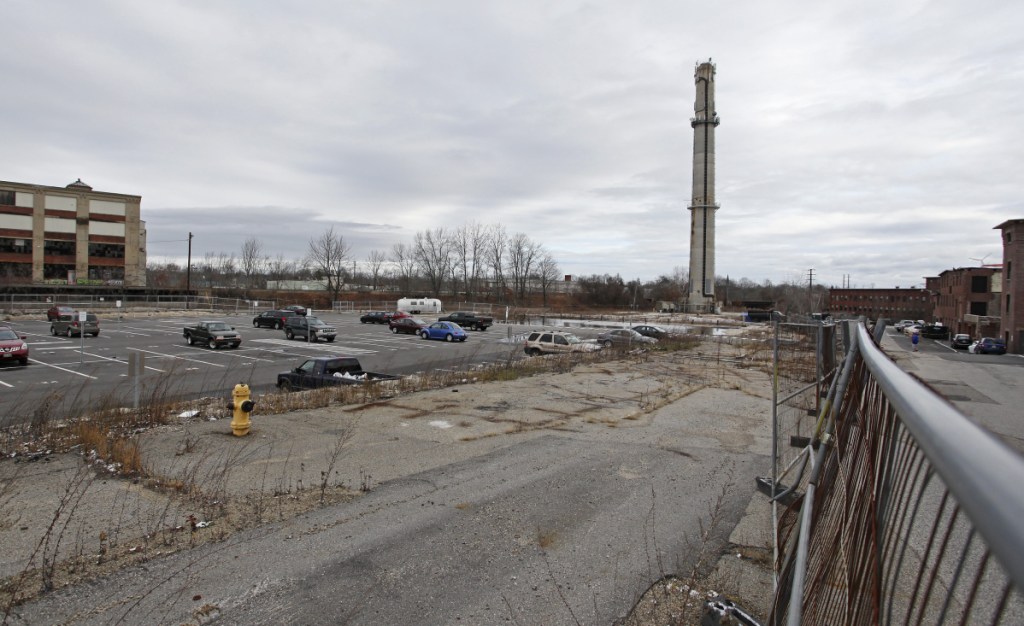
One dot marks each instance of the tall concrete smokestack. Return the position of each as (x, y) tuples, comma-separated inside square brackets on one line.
[(703, 206)]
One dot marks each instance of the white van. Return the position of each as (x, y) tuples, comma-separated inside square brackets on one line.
[(417, 306)]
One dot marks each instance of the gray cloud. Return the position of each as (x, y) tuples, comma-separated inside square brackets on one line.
[(862, 139)]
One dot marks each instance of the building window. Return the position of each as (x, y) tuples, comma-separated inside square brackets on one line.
[(979, 308), (59, 248), (106, 250), (7, 198), (979, 284), (1009, 267), (13, 245)]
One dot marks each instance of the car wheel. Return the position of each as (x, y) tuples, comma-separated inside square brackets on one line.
[(330, 340), (286, 386), (23, 361), (95, 334), (449, 338), (313, 338), (289, 334), (462, 339), (53, 331), (212, 345), (69, 332), (606, 343), (255, 324), (394, 329), (189, 340), (424, 335), (532, 352)]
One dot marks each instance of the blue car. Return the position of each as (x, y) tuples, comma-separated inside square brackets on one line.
[(449, 331)]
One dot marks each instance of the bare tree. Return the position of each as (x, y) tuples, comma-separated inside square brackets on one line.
[(433, 252), (375, 260), (327, 256), (547, 274), (522, 255), (253, 260), (405, 265), (469, 246), (497, 244)]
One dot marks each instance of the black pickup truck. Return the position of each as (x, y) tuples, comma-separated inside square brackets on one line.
[(329, 371), (214, 334), (468, 320)]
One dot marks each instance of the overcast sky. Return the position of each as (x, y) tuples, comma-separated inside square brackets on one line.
[(881, 141)]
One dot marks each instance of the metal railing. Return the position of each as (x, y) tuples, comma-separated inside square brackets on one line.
[(910, 513)]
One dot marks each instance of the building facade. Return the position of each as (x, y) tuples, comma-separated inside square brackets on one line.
[(967, 300), (892, 304), (1012, 318), (70, 236)]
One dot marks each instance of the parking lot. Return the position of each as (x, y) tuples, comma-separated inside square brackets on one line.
[(71, 371)]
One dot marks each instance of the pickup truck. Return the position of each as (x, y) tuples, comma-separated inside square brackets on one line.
[(468, 320), (329, 371), (213, 333)]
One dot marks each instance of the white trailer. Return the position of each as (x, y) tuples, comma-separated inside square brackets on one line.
[(417, 306)]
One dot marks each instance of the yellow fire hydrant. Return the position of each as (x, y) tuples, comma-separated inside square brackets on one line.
[(242, 406)]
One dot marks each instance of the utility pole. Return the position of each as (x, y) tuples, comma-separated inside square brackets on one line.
[(810, 290), (188, 271)]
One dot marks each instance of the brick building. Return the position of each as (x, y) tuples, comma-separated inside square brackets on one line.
[(892, 304), (1012, 318), (70, 236), (967, 300)]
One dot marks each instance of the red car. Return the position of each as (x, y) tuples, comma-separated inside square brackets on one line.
[(55, 311), (12, 346), (408, 325)]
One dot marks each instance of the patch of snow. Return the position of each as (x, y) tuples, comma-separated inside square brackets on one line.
[(440, 424)]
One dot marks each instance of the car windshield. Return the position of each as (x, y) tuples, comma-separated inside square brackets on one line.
[(6, 334), (218, 326), (572, 338), (314, 321)]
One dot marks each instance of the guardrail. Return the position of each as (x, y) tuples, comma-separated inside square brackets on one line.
[(910, 513)]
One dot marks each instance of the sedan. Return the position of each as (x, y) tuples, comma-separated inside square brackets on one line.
[(657, 332), (376, 317), (961, 342), (272, 319), (623, 337), (988, 345), (408, 325), (298, 308), (449, 331)]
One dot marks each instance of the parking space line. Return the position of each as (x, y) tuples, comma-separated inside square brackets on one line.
[(174, 356), (125, 363), (6, 384), (63, 369)]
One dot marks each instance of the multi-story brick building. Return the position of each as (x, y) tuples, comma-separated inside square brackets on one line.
[(71, 236), (967, 300), (892, 304), (1012, 318)]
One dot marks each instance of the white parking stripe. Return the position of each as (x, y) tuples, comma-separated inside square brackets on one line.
[(321, 346), (6, 384), (174, 356), (57, 367), (125, 363)]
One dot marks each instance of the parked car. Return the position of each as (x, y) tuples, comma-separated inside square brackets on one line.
[(272, 319), (988, 345), (54, 312), (297, 308), (214, 333), (12, 346), (912, 329), (68, 324), (556, 342), (935, 331), (449, 331), (647, 330), (309, 327), (408, 325), (900, 325), (961, 342), (376, 317), (624, 338)]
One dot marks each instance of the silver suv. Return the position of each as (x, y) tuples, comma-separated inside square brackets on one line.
[(314, 327), (556, 342)]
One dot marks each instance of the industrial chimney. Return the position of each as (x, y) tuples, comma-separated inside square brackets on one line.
[(701, 297)]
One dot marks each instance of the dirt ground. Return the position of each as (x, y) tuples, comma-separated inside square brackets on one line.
[(69, 517)]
